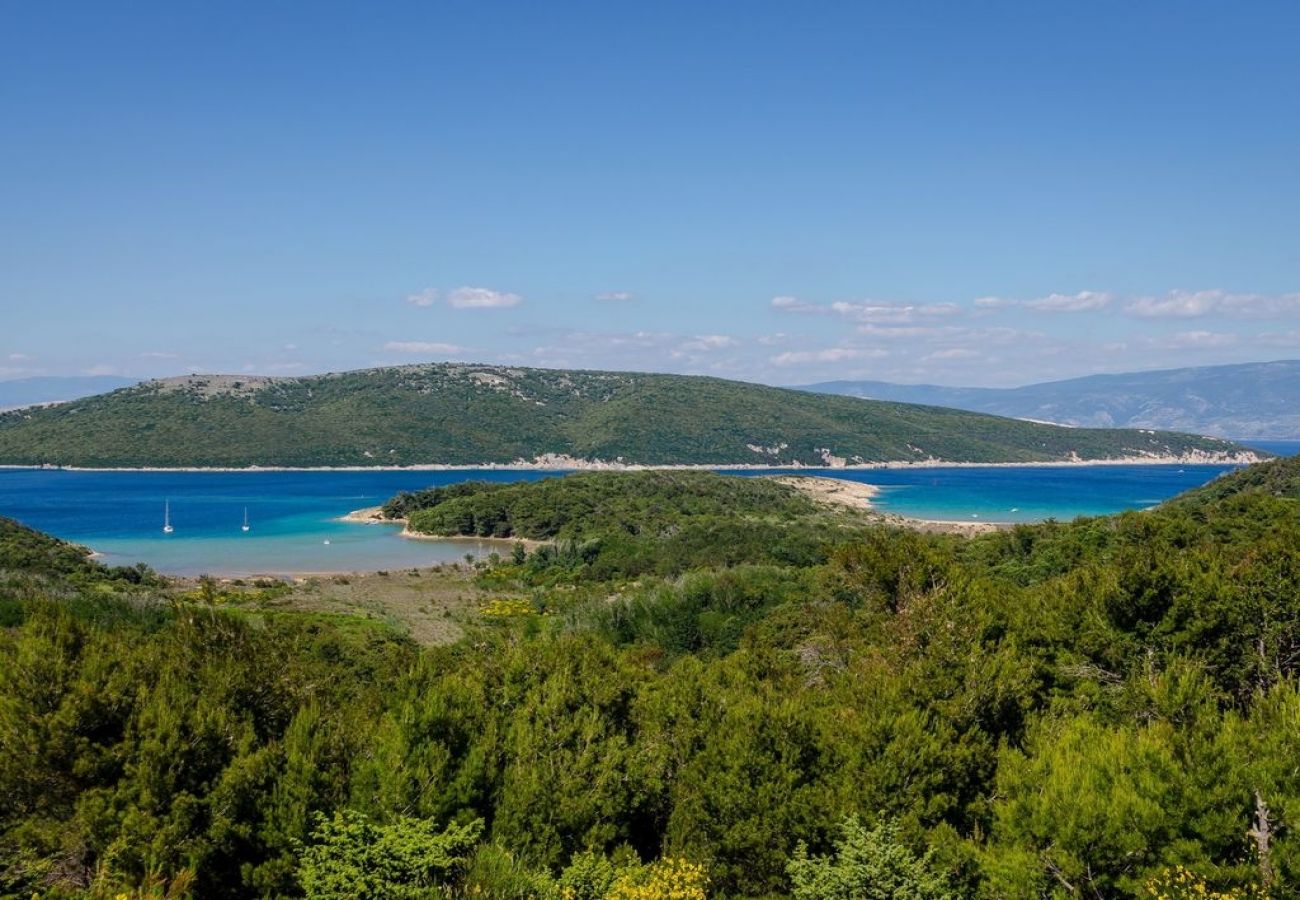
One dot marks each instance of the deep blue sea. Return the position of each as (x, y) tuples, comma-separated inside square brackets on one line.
[(294, 525)]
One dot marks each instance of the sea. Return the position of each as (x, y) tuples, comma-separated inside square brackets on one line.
[(295, 522)]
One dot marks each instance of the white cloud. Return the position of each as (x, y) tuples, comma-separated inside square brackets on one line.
[(827, 355), (19, 357), (1196, 340), (159, 354), (421, 348), (952, 353), (101, 369), (1280, 338), (703, 343), (481, 298), (426, 297), (893, 312), (792, 304), (868, 310), (1083, 301), (1190, 304), (897, 331), (616, 295)]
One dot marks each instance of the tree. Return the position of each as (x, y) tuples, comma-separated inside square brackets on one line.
[(352, 858), (870, 864)]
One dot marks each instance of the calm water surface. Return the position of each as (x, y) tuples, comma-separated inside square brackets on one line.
[(295, 528)]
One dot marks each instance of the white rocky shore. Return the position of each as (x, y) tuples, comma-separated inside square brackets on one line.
[(557, 461)]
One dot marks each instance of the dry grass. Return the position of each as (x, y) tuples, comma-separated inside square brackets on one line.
[(432, 605)]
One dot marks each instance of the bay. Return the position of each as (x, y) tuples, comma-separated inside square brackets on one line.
[(295, 527)]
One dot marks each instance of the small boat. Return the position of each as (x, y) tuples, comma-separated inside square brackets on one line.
[(245, 525), (167, 517)]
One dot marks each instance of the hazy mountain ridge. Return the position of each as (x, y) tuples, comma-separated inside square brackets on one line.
[(460, 414), (1251, 400), (19, 392)]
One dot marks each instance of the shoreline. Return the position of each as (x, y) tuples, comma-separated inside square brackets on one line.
[(576, 465), (857, 495)]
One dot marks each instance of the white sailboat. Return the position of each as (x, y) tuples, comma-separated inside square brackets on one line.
[(167, 517), (245, 526)]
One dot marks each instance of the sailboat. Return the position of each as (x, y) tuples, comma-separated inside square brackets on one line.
[(167, 517), (245, 527)]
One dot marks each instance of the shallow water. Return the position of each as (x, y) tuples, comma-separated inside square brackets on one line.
[(293, 518), (295, 528), (1027, 493)]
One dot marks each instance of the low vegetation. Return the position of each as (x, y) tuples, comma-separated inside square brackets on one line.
[(1104, 708)]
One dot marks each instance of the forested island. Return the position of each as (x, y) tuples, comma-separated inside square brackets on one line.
[(686, 685), (474, 415)]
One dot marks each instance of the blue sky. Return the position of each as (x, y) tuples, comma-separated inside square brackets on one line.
[(967, 193)]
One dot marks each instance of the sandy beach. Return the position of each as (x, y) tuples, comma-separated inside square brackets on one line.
[(857, 495)]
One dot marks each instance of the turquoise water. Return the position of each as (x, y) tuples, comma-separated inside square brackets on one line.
[(293, 518), (1028, 493), (295, 528)]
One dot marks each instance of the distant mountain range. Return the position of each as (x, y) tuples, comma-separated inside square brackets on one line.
[(478, 414), (1253, 400), (55, 389)]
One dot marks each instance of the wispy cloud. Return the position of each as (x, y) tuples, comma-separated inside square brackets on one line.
[(426, 297), (159, 354), (20, 357), (1196, 340), (1191, 304), (616, 296), (1280, 338), (1083, 301), (423, 348), (951, 353), (481, 298), (101, 369), (867, 310), (466, 298), (827, 355), (894, 332), (704, 343)]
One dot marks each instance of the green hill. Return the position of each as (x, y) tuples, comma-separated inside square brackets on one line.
[(468, 414)]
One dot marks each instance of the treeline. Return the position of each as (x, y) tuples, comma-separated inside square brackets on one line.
[(1105, 708)]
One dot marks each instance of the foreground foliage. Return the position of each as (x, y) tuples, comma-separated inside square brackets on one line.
[(1104, 708)]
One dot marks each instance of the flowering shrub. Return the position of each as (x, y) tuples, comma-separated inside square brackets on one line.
[(506, 608), (670, 878), (1180, 883)]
